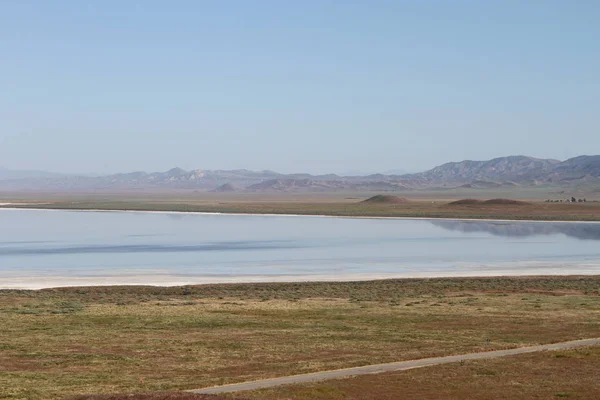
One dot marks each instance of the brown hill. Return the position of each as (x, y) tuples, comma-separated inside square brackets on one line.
[(506, 202), (385, 199), (465, 202), (492, 202)]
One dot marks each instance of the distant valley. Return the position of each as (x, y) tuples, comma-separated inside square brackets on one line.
[(582, 173)]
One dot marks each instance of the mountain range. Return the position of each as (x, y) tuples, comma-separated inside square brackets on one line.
[(511, 171)]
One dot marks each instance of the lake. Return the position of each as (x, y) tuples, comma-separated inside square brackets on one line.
[(45, 248)]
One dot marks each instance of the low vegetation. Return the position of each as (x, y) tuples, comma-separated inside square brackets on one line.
[(551, 375), (57, 343)]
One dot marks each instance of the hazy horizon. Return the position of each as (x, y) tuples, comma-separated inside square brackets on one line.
[(353, 172), (317, 87)]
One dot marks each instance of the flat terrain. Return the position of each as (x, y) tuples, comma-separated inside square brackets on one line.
[(391, 367), (571, 374), (61, 342), (419, 205)]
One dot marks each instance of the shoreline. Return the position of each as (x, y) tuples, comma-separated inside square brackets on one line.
[(242, 213), (20, 283)]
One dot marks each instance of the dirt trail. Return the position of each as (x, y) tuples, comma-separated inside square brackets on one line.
[(389, 367)]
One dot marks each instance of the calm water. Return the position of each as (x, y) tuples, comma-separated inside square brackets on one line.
[(51, 245)]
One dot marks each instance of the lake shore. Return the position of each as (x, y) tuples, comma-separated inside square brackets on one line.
[(334, 207), (165, 280), (99, 210)]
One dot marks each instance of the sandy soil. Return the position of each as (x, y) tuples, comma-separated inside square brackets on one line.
[(43, 282)]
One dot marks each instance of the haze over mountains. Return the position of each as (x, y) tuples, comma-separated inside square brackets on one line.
[(6, 174), (512, 171)]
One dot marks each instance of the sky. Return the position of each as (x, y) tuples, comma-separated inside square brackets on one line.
[(313, 86)]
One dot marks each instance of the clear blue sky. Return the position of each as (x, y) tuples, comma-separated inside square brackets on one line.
[(316, 86)]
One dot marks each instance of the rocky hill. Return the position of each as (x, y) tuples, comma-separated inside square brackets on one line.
[(582, 167), (519, 170), (503, 169)]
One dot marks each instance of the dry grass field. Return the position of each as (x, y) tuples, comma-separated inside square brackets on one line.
[(569, 374), (57, 343)]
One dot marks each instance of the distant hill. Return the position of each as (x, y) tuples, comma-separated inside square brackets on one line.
[(491, 202), (582, 167), (385, 199), (504, 172), (513, 169), (323, 185), (225, 188)]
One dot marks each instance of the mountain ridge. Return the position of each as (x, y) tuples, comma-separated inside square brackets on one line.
[(510, 171)]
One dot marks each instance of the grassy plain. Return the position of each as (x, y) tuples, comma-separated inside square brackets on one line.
[(421, 204), (569, 374), (56, 343)]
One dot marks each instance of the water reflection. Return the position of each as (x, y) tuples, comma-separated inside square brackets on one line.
[(583, 231), (154, 248)]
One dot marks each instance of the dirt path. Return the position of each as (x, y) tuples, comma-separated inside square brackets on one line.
[(389, 367)]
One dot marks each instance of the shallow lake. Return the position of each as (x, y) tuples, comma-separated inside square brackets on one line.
[(40, 248)]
